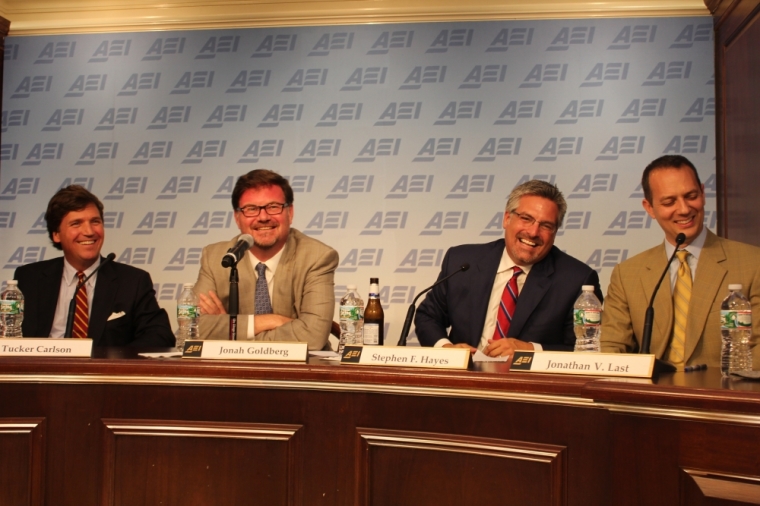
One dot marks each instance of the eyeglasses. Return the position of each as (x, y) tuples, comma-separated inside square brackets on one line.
[(271, 209), (529, 220)]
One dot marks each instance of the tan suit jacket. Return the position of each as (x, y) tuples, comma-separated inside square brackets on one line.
[(303, 290), (721, 262)]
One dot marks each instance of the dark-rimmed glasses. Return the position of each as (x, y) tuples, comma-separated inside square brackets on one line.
[(272, 209)]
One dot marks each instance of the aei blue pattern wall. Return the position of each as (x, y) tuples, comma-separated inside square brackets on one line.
[(399, 140)]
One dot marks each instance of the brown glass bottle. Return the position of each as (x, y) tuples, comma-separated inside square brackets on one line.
[(374, 317)]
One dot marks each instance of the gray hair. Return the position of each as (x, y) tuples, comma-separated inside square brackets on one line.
[(538, 188)]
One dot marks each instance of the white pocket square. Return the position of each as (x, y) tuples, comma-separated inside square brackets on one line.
[(116, 315)]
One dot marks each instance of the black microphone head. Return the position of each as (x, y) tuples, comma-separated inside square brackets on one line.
[(110, 257), (247, 239), (465, 266), (680, 238)]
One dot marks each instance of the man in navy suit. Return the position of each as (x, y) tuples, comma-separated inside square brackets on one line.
[(546, 284), (121, 303)]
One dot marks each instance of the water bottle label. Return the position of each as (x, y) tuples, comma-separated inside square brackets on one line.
[(187, 311), (732, 319), (744, 319), (11, 306), (587, 317), (351, 313)]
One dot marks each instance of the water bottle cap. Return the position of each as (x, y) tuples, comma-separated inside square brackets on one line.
[(735, 287), (587, 288), (351, 288), (12, 282), (188, 285)]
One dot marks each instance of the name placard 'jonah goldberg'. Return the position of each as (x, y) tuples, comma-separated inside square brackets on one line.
[(45, 347), (591, 364), (401, 356), (247, 350)]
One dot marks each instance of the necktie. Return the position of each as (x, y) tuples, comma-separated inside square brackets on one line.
[(263, 304), (681, 298), (82, 311), (507, 306)]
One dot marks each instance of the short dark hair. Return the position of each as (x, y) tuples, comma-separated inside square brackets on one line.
[(666, 162), (258, 178), (65, 200)]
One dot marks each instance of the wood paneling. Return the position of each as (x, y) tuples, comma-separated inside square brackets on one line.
[(738, 109), (126, 431), (22, 461)]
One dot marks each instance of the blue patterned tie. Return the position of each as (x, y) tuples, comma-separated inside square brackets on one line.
[(263, 304)]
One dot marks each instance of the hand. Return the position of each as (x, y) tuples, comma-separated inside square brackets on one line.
[(460, 345), (210, 304), (506, 346), (264, 322)]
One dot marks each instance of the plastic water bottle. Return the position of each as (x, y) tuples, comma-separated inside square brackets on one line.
[(351, 319), (187, 316), (587, 320), (11, 310), (735, 332)]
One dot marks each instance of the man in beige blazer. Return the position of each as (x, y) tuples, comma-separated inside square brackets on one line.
[(299, 271), (674, 196)]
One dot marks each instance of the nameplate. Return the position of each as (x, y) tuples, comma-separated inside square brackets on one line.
[(45, 347), (402, 356), (247, 350), (587, 364)]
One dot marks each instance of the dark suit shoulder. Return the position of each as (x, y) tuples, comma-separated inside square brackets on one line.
[(40, 267)]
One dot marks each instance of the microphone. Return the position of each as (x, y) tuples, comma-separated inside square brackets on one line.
[(646, 338), (73, 303), (413, 307), (235, 253)]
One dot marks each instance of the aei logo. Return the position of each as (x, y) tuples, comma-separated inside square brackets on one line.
[(193, 80), (281, 42), (503, 146), (326, 220), (332, 42), (407, 184), (510, 37), (217, 45), (417, 258), (164, 46), (132, 185), (646, 107), (461, 37), (109, 48), (396, 39), (184, 257), (524, 109), (577, 35), (351, 184)]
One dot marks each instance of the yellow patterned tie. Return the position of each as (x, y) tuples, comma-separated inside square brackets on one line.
[(681, 298)]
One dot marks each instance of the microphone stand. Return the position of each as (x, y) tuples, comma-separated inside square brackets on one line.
[(646, 338), (413, 306), (234, 301)]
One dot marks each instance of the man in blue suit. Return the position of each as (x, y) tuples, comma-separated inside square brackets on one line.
[(472, 309)]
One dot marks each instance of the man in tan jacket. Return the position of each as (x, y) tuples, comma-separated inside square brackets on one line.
[(286, 277), (674, 196)]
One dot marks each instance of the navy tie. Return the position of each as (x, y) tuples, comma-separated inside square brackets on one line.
[(263, 304)]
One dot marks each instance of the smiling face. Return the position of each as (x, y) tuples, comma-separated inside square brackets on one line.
[(81, 236), (678, 202), (528, 244), (269, 232)]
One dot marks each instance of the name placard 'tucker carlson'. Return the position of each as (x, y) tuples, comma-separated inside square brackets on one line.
[(45, 347), (247, 350)]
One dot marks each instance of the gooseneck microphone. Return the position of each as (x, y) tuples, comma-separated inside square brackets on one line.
[(413, 306), (646, 337), (235, 253), (73, 303)]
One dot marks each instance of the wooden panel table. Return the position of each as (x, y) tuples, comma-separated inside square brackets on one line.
[(128, 431)]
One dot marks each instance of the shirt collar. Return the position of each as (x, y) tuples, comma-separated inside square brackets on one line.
[(506, 263), (695, 248), (70, 273), (271, 264)]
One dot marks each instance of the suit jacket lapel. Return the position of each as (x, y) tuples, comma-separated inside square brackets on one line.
[(49, 297), (485, 270), (536, 285), (106, 287), (663, 302), (282, 294), (708, 280)]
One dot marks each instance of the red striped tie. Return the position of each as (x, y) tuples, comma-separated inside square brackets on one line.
[(81, 315), (507, 306)]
